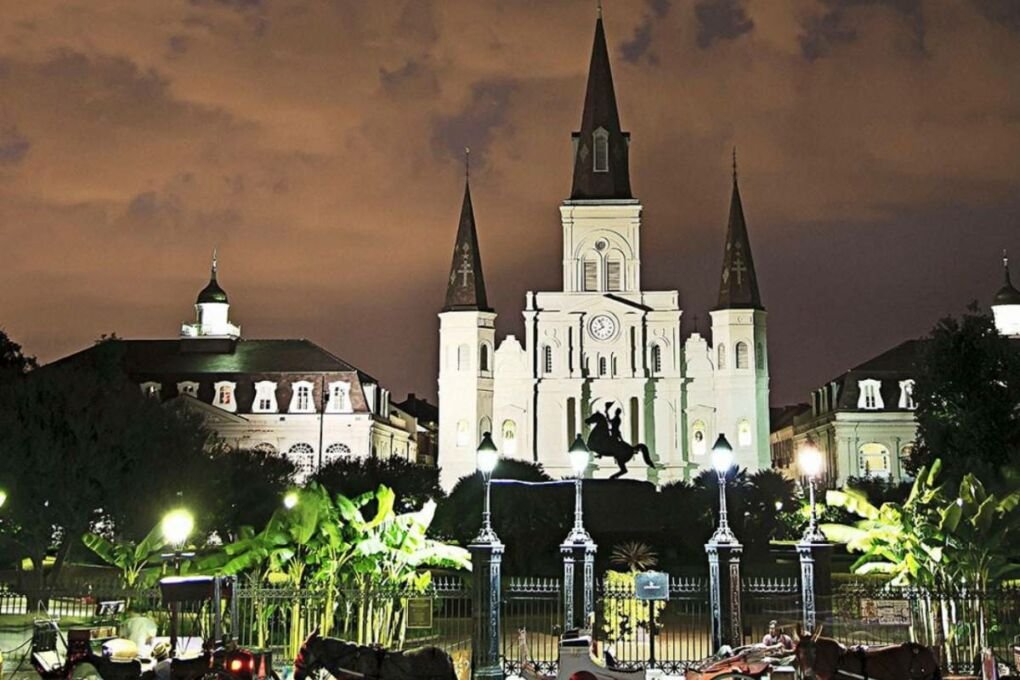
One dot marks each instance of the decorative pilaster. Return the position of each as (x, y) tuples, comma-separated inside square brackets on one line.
[(724, 593), (486, 561), (578, 582), (815, 583)]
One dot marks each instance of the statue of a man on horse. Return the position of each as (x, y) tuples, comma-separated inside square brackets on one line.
[(606, 440)]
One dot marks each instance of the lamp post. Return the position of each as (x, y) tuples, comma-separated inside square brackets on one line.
[(814, 552), (486, 560), (578, 550), (176, 526), (724, 551), (3, 497)]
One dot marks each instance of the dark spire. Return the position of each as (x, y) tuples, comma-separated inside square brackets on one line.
[(465, 289), (600, 147), (1007, 295), (212, 292), (739, 286)]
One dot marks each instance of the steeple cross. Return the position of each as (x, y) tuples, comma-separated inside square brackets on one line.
[(465, 266), (739, 268)]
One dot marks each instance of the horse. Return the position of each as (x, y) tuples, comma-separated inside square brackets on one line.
[(347, 660), (602, 443), (826, 659)]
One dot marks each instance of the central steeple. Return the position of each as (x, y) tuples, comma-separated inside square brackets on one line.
[(738, 288), (465, 289), (601, 169)]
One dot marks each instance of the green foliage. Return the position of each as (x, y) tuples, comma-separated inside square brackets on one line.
[(136, 560), (634, 556), (13, 361), (413, 484), (245, 490), (623, 615), (968, 399)]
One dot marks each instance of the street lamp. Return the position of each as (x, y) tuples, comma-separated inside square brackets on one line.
[(176, 525), (290, 500), (580, 458), (810, 460), (486, 457), (722, 460), (3, 497)]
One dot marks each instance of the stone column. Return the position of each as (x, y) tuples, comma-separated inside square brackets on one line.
[(815, 583), (578, 582), (486, 561), (724, 593)]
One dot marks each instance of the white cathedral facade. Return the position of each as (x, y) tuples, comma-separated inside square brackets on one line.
[(603, 344)]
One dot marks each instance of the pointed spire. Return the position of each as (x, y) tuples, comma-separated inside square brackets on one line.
[(601, 168), (1005, 266), (739, 286), (214, 263), (465, 289), (212, 292), (1007, 295)]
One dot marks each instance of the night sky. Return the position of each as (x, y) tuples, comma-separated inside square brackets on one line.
[(319, 146)]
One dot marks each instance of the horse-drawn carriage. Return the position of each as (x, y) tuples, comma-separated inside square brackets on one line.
[(96, 653)]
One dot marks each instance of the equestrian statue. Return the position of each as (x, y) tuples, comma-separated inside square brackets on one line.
[(605, 440)]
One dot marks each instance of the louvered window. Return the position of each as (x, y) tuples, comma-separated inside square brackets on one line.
[(591, 275), (614, 275), (601, 141)]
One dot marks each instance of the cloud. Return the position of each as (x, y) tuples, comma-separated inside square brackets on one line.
[(13, 146), (822, 32), (640, 42), (1003, 12), (721, 20), (475, 125)]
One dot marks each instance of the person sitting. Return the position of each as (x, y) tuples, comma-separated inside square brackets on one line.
[(161, 655), (776, 637)]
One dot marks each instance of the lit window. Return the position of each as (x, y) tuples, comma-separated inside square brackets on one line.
[(224, 395), (150, 389), (614, 275), (873, 460), (339, 397), (744, 434), (303, 457), (699, 445), (483, 357), (722, 357), (742, 355), (463, 435), (266, 448), (601, 141), (907, 394), (265, 397), (656, 359), (188, 387), (335, 452), (547, 359), (591, 275), (485, 424), (301, 400), (871, 395), (509, 438)]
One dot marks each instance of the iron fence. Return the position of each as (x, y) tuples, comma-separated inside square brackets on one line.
[(531, 612)]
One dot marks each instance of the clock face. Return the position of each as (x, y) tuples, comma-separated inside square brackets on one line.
[(602, 327)]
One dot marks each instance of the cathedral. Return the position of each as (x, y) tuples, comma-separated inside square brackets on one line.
[(603, 351)]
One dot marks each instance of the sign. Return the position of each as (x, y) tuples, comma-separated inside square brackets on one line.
[(419, 613), (886, 612), (652, 585)]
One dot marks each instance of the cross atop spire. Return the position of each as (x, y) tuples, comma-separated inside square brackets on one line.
[(214, 262), (1005, 266), (739, 286), (600, 147), (467, 163), (465, 289), (598, 8)]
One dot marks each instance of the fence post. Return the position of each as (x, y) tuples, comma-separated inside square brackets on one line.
[(815, 583), (724, 593), (486, 561), (578, 582)]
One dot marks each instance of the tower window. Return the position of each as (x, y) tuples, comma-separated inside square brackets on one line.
[(463, 434), (601, 156), (698, 443), (547, 364), (722, 356), (591, 275), (742, 355), (509, 438), (759, 356), (483, 358), (463, 358), (656, 359), (614, 275), (602, 366), (744, 434)]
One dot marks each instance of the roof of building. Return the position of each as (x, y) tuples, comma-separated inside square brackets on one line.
[(600, 112), (1007, 295), (890, 367), (420, 408), (738, 287), (212, 291), (783, 416), (465, 290)]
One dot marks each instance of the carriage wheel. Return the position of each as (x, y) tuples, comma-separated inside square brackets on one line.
[(85, 671)]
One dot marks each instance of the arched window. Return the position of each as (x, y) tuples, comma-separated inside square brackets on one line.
[(265, 397), (743, 434), (483, 357), (188, 387), (301, 400), (614, 273), (509, 430), (870, 397), (224, 395), (601, 142), (591, 273), (656, 359), (603, 366), (699, 435), (635, 420), (742, 355), (266, 448), (303, 457), (721, 363), (873, 460), (907, 394), (463, 433), (547, 364), (463, 358), (339, 397), (335, 452), (485, 424)]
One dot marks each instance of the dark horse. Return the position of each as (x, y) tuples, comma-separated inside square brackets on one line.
[(825, 659), (346, 660), (602, 443)]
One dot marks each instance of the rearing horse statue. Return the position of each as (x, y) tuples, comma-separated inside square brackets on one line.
[(602, 443)]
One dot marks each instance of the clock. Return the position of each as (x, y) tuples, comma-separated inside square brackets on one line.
[(602, 327)]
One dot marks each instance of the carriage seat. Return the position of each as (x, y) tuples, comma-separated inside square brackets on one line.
[(48, 661), (120, 650)]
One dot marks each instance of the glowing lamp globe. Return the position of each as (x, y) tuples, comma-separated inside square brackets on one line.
[(290, 500), (722, 454), (487, 455), (579, 456), (810, 460), (3, 497), (177, 526)]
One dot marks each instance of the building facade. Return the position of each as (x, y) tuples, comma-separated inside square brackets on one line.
[(603, 346)]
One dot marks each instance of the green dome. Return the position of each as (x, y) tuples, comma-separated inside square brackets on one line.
[(212, 293)]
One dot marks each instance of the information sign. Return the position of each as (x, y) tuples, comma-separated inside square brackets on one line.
[(419, 613), (652, 585), (886, 612)]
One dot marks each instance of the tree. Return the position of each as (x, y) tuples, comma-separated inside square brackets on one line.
[(81, 443), (968, 399), (246, 489), (13, 361), (413, 484), (135, 560)]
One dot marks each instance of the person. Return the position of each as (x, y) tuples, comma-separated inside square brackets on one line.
[(161, 655), (776, 637), (614, 425)]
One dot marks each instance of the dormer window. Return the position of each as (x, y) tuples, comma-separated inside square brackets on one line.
[(150, 389), (870, 398), (265, 397), (223, 395), (188, 387), (601, 144), (907, 395), (301, 399), (339, 397)]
